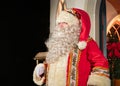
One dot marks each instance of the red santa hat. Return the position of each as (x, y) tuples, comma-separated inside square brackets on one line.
[(85, 23), (85, 27)]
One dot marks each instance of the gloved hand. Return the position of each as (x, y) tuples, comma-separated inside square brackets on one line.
[(40, 68), (38, 74)]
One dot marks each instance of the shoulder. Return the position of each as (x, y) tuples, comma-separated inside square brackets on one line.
[(91, 42)]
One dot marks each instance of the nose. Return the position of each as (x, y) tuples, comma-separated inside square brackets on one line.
[(63, 24)]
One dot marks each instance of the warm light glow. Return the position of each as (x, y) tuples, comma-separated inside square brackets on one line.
[(117, 18), (114, 28)]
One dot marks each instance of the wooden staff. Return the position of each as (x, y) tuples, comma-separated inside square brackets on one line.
[(61, 6)]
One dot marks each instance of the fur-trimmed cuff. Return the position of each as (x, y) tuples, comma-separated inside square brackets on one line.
[(98, 80)]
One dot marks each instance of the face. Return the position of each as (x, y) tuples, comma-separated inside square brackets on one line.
[(62, 39)]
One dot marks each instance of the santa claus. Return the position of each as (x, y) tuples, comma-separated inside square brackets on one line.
[(73, 58)]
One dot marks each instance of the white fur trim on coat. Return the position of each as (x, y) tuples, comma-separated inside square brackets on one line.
[(98, 80), (64, 16), (39, 69)]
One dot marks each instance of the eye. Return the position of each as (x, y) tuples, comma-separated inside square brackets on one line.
[(62, 23)]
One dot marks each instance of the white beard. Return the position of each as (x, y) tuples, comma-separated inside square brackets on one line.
[(61, 41)]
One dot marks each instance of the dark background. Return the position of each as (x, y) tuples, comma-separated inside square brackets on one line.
[(24, 27)]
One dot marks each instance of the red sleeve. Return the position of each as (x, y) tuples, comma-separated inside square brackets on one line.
[(99, 63), (95, 55)]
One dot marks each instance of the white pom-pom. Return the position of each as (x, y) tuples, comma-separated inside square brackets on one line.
[(82, 45)]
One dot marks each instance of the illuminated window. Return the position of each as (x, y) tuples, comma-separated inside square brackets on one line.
[(113, 30)]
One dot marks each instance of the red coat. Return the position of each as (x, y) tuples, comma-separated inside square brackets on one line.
[(87, 61)]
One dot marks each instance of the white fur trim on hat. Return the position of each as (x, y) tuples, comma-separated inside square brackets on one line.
[(97, 80), (82, 45), (67, 17)]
